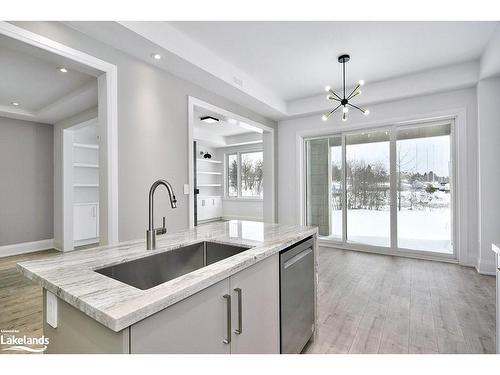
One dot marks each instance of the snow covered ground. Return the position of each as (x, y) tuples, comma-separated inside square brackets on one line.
[(428, 229)]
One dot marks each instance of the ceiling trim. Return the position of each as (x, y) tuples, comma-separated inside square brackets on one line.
[(42, 115), (178, 43)]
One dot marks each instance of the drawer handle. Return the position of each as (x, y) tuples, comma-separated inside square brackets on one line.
[(227, 340), (239, 330), (296, 258)]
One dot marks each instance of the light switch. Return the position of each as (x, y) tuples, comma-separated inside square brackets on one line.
[(51, 309), (186, 188)]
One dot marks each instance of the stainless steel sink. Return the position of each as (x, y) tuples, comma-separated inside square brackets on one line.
[(156, 269)]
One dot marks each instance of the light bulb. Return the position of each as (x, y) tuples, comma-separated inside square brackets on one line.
[(344, 118), (327, 88), (359, 92), (366, 112), (345, 109), (62, 70), (156, 56), (15, 104), (324, 117), (361, 82), (329, 97)]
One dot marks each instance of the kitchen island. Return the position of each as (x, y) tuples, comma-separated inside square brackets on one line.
[(231, 305)]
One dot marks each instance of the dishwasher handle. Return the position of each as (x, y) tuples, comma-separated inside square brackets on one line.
[(296, 258)]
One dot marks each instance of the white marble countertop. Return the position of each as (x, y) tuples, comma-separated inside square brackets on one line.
[(495, 247), (116, 305)]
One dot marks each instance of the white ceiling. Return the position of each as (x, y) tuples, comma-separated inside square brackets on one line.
[(297, 59), (225, 132), (29, 76)]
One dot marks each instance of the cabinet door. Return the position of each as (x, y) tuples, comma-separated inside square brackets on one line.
[(259, 311), (85, 222), (218, 206), (196, 325), (202, 209)]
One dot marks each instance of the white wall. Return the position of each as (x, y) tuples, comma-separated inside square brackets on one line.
[(413, 108), (152, 130), (488, 97)]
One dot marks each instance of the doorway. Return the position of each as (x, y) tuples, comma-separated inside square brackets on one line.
[(231, 166), (106, 87)]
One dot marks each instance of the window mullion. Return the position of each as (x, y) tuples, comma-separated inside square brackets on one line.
[(344, 192), (393, 190), (238, 174)]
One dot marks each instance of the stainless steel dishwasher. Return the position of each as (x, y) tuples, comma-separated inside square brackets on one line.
[(297, 296)]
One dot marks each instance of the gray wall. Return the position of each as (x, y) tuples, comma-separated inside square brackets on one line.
[(26, 181), (152, 129)]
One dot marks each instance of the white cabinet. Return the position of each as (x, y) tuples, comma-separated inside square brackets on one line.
[(85, 221), (209, 207), (196, 325), (257, 319), (207, 322)]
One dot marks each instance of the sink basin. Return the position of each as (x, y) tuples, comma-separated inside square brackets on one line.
[(156, 269)]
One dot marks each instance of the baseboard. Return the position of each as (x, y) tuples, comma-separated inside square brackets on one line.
[(26, 247), (248, 218), (87, 241), (486, 268)]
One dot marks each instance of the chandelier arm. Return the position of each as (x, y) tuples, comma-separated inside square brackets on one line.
[(353, 96), (332, 98), (333, 110), (353, 91), (332, 92), (359, 109)]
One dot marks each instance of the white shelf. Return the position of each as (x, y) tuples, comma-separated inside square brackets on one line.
[(213, 173), (86, 145), (85, 185), (209, 185), (85, 165), (210, 161)]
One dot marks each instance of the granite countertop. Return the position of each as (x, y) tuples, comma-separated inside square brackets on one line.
[(116, 305)]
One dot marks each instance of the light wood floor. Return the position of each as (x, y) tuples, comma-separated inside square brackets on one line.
[(20, 299), (372, 303), (367, 304)]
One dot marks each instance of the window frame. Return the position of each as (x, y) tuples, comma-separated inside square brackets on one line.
[(238, 154)]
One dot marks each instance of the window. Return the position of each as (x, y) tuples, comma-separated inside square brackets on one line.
[(389, 187), (244, 175), (232, 175)]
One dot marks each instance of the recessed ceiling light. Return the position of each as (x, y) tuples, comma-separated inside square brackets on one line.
[(156, 56), (15, 104), (209, 119), (62, 69)]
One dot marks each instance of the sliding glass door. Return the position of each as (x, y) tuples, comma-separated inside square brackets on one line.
[(424, 209), (368, 183), (387, 188)]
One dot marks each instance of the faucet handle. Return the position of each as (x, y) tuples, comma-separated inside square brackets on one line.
[(163, 229)]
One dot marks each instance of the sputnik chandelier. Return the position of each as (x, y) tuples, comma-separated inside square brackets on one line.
[(344, 101)]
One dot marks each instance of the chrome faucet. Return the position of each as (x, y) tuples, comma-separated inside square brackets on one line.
[(151, 233)]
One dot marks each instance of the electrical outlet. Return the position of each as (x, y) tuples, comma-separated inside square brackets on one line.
[(51, 309), (186, 188)]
